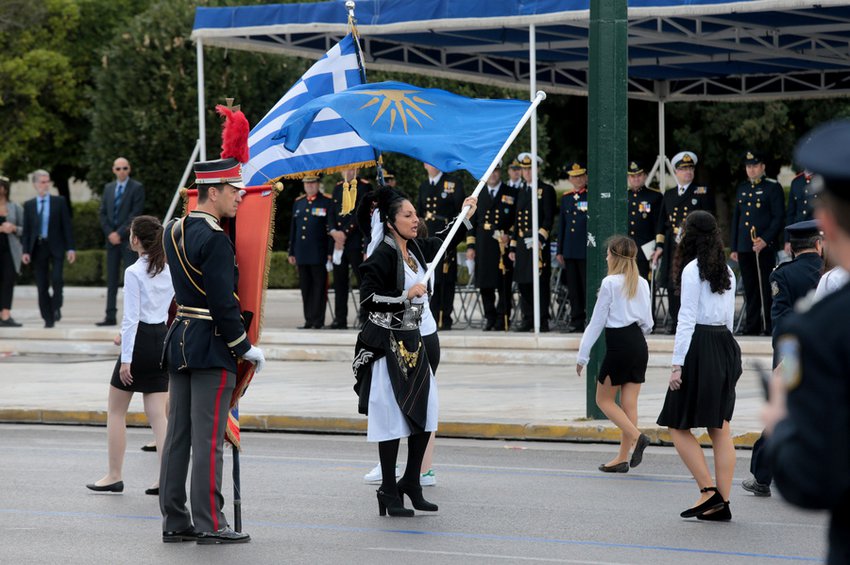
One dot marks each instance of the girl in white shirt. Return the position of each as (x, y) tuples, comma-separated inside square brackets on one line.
[(706, 364), (623, 308), (147, 295)]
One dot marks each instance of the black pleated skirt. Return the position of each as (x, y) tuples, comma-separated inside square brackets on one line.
[(712, 368), (626, 356), (148, 376)]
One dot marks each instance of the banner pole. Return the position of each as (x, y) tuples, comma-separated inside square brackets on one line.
[(540, 97)]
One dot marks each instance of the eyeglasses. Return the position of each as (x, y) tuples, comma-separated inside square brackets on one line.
[(121, 168)]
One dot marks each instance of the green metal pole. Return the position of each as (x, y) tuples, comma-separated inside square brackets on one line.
[(607, 149)]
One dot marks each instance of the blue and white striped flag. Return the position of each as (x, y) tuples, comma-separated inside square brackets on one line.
[(329, 144)]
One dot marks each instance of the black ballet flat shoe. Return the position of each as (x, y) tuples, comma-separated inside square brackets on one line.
[(114, 487), (716, 502), (148, 447), (189, 534), (152, 491), (722, 515), (637, 454), (414, 493), (392, 505), (618, 468)]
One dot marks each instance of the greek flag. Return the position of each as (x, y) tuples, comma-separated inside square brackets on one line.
[(330, 143)]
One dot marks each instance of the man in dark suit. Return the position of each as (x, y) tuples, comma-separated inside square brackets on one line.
[(440, 201), (348, 244), (757, 222), (123, 199), (676, 204), (47, 240), (644, 208), (487, 245)]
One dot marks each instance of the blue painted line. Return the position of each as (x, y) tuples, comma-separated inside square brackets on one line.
[(455, 535)]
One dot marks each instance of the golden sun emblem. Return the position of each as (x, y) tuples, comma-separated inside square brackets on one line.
[(403, 106)]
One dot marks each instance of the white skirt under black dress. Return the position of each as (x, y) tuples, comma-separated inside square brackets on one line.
[(386, 419), (148, 376), (626, 356), (710, 372)]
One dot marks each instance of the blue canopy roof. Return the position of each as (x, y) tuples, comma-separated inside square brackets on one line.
[(678, 49)]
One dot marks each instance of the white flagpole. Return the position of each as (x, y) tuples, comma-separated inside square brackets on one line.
[(540, 97)]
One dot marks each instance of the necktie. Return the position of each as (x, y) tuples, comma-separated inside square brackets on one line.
[(42, 221), (433, 183), (119, 192), (493, 194)]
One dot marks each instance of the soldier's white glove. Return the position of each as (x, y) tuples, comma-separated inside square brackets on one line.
[(529, 242), (255, 356)]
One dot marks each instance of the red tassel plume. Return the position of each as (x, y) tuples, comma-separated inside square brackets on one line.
[(234, 134)]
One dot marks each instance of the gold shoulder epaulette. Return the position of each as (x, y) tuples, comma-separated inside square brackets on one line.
[(301, 197)]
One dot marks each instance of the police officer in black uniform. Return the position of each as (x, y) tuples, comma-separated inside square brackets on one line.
[(487, 244), (801, 203), (440, 201), (202, 347), (311, 248), (789, 282), (527, 267), (757, 221), (676, 204), (572, 244), (809, 448), (348, 243), (644, 209)]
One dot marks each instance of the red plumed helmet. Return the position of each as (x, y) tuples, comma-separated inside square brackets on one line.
[(234, 134)]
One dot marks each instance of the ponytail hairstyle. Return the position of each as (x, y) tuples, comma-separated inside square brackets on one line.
[(624, 252), (149, 232)]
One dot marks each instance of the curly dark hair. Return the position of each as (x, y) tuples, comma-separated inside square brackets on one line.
[(701, 241), (386, 200)]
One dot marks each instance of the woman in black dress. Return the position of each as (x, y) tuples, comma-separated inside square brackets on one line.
[(147, 295), (706, 364), (394, 382)]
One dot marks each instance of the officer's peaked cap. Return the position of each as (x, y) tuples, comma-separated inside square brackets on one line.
[(685, 159)]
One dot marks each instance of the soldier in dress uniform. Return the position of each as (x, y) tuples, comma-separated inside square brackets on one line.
[(487, 244), (801, 203), (514, 174), (676, 204), (201, 347), (789, 282), (757, 221), (572, 244), (348, 244), (440, 201), (389, 179), (644, 209), (809, 448), (526, 266), (311, 247)]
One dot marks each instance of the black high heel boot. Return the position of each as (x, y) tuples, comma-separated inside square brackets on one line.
[(714, 503), (414, 493), (722, 515), (393, 505)]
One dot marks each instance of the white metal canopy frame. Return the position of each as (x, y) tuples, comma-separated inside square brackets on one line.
[(679, 50)]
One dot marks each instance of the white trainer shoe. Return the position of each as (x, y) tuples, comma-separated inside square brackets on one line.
[(375, 477), (428, 479)]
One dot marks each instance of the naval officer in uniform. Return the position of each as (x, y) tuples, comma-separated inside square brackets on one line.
[(757, 222), (202, 347), (676, 204), (572, 244), (644, 209), (311, 247), (440, 201), (527, 267), (487, 245), (801, 203)]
